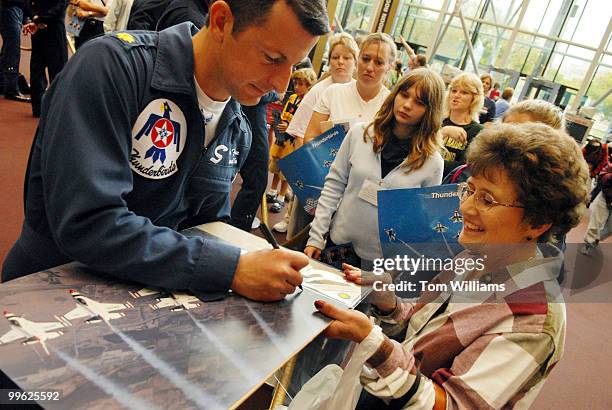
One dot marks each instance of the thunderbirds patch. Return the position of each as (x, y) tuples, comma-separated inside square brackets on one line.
[(158, 138)]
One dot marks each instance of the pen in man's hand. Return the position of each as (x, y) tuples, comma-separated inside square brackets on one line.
[(271, 239)]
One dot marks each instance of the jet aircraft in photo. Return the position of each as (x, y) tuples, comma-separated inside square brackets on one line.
[(94, 311), (29, 331)]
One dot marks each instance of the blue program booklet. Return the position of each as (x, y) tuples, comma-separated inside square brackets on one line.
[(75, 25), (420, 222), (306, 168)]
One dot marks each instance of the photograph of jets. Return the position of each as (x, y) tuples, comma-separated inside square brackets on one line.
[(92, 310), (30, 332), (174, 300)]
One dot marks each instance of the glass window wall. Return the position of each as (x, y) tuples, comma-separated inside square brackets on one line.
[(356, 15), (543, 16), (579, 21), (601, 84), (502, 11), (470, 8), (587, 22), (569, 65)]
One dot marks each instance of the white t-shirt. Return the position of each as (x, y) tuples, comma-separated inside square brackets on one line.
[(343, 103), (301, 118), (118, 15), (211, 112)]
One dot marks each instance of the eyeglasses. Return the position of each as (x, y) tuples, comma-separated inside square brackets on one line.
[(483, 201)]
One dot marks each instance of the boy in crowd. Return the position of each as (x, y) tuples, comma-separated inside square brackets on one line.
[(284, 144)]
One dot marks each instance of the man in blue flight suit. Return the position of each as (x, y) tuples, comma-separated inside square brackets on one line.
[(123, 156), (254, 172)]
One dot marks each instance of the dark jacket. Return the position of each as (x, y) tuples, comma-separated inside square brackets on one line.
[(254, 173), (24, 5), (117, 168), (179, 11), (14, 3), (145, 14), (48, 11), (487, 113)]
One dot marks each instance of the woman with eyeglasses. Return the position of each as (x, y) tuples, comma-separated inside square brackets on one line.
[(481, 348)]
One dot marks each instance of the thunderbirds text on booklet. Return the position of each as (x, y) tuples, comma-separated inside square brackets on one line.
[(306, 168), (419, 221)]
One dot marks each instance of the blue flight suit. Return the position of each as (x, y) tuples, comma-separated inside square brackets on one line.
[(119, 163), (254, 173)]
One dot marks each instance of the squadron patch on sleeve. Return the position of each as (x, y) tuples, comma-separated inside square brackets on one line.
[(158, 138), (126, 37)]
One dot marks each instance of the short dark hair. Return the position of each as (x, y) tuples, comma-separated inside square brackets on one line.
[(546, 166), (311, 13)]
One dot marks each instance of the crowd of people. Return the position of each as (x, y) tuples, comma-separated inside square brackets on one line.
[(397, 149), (155, 147)]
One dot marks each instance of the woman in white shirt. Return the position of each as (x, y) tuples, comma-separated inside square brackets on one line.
[(118, 15), (399, 149), (350, 102), (358, 101), (343, 51)]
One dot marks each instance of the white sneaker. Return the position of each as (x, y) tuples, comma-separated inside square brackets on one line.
[(280, 227), (256, 223)]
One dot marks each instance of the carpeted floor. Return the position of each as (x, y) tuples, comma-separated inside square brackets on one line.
[(18, 129)]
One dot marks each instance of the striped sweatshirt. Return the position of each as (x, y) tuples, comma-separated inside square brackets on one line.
[(485, 350)]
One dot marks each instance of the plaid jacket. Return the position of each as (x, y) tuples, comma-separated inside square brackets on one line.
[(491, 350)]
